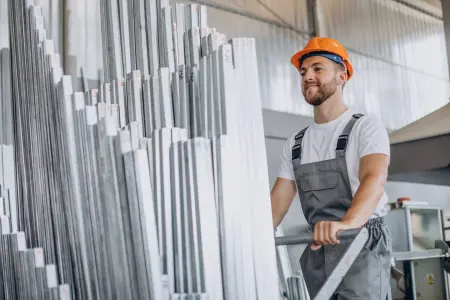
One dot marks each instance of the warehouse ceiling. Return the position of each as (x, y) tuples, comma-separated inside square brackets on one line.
[(433, 7), (420, 151), (434, 3)]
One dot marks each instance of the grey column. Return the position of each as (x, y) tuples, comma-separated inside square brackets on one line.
[(446, 17)]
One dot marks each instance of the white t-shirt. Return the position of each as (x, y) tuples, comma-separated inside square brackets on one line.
[(368, 136)]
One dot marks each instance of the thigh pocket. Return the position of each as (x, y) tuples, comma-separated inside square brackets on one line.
[(363, 280)]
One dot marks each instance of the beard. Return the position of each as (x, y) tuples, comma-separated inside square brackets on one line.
[(324, 92)]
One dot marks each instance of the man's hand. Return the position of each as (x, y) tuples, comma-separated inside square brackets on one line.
[(325, 233)]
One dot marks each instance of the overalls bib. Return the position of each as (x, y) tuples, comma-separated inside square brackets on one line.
[(325, 195)]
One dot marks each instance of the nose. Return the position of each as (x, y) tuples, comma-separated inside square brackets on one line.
[(308, 75)]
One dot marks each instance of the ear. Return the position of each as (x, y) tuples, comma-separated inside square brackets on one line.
[(342, 78)]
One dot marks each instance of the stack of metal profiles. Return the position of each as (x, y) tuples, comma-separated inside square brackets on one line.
[(153, 185), (27, 270)]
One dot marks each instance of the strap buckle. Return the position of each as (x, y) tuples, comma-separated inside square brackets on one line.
[(342, 142), (299, 135), (296, 151)]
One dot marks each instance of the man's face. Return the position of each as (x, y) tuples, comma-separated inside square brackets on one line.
[(319, 79)]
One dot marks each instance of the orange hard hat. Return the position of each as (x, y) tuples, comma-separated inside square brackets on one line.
[(323, 46)]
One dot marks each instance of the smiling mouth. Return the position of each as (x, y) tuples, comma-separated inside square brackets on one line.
[(307, 88)]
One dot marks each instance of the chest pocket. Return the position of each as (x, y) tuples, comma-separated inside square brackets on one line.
[(318, 181)]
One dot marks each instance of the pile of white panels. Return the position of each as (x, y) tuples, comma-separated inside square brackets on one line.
[(154, 185)]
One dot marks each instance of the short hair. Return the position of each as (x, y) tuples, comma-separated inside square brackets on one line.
[(341, 68)]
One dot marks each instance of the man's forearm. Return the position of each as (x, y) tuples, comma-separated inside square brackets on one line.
[(281, 198), (365, 201), (277, 215)]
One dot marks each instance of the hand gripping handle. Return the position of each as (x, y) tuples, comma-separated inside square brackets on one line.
[(309, 238)]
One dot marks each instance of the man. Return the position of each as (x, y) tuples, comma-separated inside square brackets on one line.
[(338, 166)]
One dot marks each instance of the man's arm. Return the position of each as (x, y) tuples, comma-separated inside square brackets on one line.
[(372, 175), (282, 194), (373, 152)]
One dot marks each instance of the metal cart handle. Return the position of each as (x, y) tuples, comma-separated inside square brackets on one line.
[(308, 237), (360, 237)]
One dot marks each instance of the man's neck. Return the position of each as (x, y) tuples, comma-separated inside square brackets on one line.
[(330, 110)]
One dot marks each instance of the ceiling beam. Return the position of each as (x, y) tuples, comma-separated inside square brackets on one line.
[(425, 7)]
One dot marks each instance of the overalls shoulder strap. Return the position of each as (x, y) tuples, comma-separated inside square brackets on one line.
[(343, 138), (297, 148)]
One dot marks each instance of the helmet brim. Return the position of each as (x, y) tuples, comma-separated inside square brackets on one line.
[(295, 59)]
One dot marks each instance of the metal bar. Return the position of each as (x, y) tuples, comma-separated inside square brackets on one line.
[(30, 265), (64, 292), (152, 35), (194, 45), (177, 198), (204, 87), (92, 167), (165, 98), (213, 115), (124, 36), (133, 193), (109, 242), (7, 270), (104, 9), (88, 214), (121, 146), (4, 222), (184, 99), (191, 16), (249, 241), (51, 282), (227, 151), (202, 17), (187, 239), (155, 104), (193, 222), (140, 30), (5, 81), (40, 272), (67, 114), (205, 205), (160, 4), (148, 119), (134, 86), (167, 137), (204, 41), (176, 99), (309, 238), (178, 19), (148, 224), (215, 106), (417, 255), (120, 268), (194, 117), (119, 98), (167, 39)]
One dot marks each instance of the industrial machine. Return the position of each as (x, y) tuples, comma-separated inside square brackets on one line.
[(420, 254), (420, 260)]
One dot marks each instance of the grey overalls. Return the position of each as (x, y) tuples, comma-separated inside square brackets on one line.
[(325, 195)]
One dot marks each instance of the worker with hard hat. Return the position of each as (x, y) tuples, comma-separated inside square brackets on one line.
[(338, 166)]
